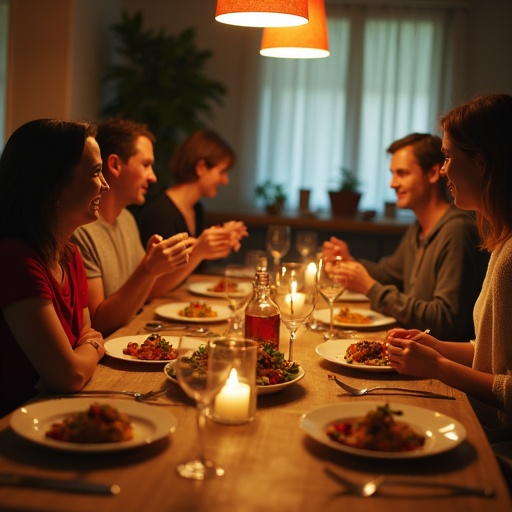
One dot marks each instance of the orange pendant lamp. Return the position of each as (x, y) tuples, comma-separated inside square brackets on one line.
[(262, 13), (305, 42)]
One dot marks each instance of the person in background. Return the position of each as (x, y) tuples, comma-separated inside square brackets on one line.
[(121, 274), (478, 150), (50, 183), (198, 166), (434, 276)]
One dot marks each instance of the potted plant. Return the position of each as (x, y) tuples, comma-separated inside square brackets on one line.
[(345, 200), (160, 80), (272, 195)]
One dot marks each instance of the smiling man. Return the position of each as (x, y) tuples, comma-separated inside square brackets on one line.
[(121, 274), (433, 278)]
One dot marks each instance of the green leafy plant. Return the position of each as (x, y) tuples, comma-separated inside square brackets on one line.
[(348, 182), (270, 193), (160, 82)]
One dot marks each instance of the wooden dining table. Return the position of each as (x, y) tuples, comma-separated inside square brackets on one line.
[(271, 463)]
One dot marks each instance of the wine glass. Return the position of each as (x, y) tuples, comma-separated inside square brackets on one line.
[(295, 295), (330, 284), (238, 289), (202, 368), (278, 243), (306, 243)]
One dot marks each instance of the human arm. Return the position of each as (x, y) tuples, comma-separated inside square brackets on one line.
[(214, 243), (449, 362), (162, 257), (441, 280), (47, 347)]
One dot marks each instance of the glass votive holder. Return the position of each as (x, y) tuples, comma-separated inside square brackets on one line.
[(235, 403)]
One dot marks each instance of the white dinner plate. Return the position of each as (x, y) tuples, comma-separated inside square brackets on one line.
[(442, 433), (114, 347), (202, 288), (150, 424), (262, 390), (349, 296), (377, 320), (334, 351), (170, 312)]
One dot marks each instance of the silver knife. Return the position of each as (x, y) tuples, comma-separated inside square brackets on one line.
[(59, 484)]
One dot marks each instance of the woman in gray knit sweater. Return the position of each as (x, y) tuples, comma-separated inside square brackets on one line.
[(477, 144)]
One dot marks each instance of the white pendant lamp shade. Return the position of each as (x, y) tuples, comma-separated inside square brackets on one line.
[(262, 13), (305, 42)]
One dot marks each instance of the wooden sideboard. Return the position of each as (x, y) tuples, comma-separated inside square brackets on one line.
[(369, 239)]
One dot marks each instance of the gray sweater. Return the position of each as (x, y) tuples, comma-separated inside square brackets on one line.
[(433, 283)]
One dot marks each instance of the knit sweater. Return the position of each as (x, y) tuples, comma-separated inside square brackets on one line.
[(493, 347)]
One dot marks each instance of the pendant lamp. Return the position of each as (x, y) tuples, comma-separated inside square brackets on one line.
[(262, 13), (305, 42)]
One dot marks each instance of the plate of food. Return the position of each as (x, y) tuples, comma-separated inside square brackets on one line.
[(89, 425), (273, 371), (383, 430), (365, 355), (353, 317), (194, 312), (143, 348), (350, 296), (218, 288)]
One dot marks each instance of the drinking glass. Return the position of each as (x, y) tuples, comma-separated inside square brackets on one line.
[(239, 289), (278, 243), (202, 369), (296, 297), (255, 259), (306, 243), (330, 284)]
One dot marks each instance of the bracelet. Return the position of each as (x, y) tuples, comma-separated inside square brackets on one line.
[(95, 344)]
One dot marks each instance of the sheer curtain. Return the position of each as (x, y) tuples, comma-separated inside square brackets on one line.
[(389, 74)]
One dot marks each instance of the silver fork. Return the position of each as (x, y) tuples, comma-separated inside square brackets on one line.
[(369, 488), (139, 397), (365, 391)]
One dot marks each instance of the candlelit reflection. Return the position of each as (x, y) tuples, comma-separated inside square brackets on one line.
[(296, 297)]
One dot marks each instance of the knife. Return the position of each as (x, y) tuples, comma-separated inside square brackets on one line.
[(59, 484)]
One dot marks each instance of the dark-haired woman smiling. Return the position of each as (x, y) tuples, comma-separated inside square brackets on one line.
[(50, 183)]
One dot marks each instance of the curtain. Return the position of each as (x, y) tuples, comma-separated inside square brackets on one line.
[(389, 74)]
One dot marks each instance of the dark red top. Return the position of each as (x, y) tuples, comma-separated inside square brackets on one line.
[(23, 276)]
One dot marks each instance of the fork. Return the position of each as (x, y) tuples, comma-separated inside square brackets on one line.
[(369, 488), (365, 391), (139, 397)]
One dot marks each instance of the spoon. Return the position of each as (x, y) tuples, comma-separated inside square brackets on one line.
[(157, 326)]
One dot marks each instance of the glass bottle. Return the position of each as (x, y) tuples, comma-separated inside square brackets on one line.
[(262, 315)]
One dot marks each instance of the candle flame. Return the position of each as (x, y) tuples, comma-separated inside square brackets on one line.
[(232, 379)]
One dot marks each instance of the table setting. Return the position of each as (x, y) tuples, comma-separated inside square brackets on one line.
[(264, 446)]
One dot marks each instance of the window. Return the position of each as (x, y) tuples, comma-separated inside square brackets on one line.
[(388, 75)]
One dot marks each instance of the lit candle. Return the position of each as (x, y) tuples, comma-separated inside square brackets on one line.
[(295, 300), (311, 275), (232, 402)]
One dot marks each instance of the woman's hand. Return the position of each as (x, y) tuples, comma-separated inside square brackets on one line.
[(355, 276), (418, 358), (336, 247)]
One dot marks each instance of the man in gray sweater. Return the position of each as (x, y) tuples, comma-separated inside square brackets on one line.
[(434, 277)]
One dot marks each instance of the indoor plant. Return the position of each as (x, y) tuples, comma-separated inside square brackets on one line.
[(345, 200), (160, 81), (272, 195)]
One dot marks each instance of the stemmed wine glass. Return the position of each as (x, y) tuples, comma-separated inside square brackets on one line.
[(330, 284), (306, 243), (295, 295), (238, 289), (278, 243), (202, 368)]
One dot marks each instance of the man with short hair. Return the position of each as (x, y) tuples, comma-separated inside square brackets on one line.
[(434, 277), (121, 274)]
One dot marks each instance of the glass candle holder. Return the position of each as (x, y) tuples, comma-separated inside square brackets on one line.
[(235, 403)]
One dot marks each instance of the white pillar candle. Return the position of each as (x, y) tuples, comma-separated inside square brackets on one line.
[(232, 402), (310, 278), (295, 302)]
